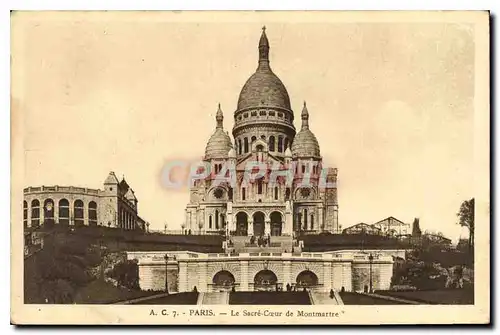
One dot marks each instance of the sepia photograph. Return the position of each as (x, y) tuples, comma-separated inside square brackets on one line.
[(244, 167)]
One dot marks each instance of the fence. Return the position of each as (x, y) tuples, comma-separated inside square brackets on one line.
[(184, 232)]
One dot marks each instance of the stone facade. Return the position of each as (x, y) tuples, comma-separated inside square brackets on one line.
[(350, 270), (115, 205), (264, 134)]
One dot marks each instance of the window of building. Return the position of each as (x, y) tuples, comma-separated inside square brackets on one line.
[(92, 213), (239, 146), (305, 219), (276, 193), (272, 113), (271, 143), (25, 214), (243, 195), (216, 219), (259, 186), (64, 212), (253, 114), (286, 144), (280, 144), (246, 144), (280, 115), (210, 222), (78, 212), (312, 222), (254, 139), (245, 115)]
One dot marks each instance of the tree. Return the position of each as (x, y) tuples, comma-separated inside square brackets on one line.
[(466, 219)]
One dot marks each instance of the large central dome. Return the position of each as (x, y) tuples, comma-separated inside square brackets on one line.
[(263, 88)]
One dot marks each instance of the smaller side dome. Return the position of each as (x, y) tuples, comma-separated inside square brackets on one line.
[(219, 144), (288, 152), (305, 143)]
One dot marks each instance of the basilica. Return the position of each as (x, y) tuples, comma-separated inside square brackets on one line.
[(264, 132)]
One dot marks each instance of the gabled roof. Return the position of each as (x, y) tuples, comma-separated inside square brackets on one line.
[(390, 218)]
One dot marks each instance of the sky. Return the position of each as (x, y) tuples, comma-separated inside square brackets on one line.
[(391, 104)]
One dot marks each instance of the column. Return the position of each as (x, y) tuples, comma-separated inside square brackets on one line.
[(288, 225), (85, 213), (287, 273), (202, 277), (321, 220), (327, 276), (244, 276), (56, 210), (250, 228), (201, 218), (267, 228), (183, 280)]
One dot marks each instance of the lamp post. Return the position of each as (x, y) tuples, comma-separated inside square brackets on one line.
[(370, 258), (166, 273)]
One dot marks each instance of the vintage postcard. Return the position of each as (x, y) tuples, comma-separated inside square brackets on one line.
[(250, 168)]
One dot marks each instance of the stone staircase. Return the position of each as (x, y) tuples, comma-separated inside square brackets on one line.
[(323, 298), (214, 298)]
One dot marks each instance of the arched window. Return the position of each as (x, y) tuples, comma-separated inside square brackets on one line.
[(78, 212), (48, 212), (35, 213), (25, 214), (286, 144), (275, 193), (210, 222), (287, 194), (92, 213), (303, 168), (64, 212), (222, 221), (246, 144), (280, 143), (254, 139), (271, 143), (259, 186), (216, 219), (239, 146), (243, 195), (305, 219), (312, 222)]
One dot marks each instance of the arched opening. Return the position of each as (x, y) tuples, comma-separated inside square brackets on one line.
[(286, 144), (25, 214), (241, 224), (64, 212), (276, 223), (78, 212), (254, 139), (287, 193), (246, 144), (259, 186), (258, 224), (280, 143), (210, 222), (224, 279), (92, 213), (265, 280), (243, 194), (35, 213), (260, 148), (276, 192), (307, 279), (305, 219), (48, 212), (272, 141), (239, 146), (311, 224)]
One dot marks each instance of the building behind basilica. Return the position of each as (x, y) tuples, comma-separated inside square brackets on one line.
[(264, 133)]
